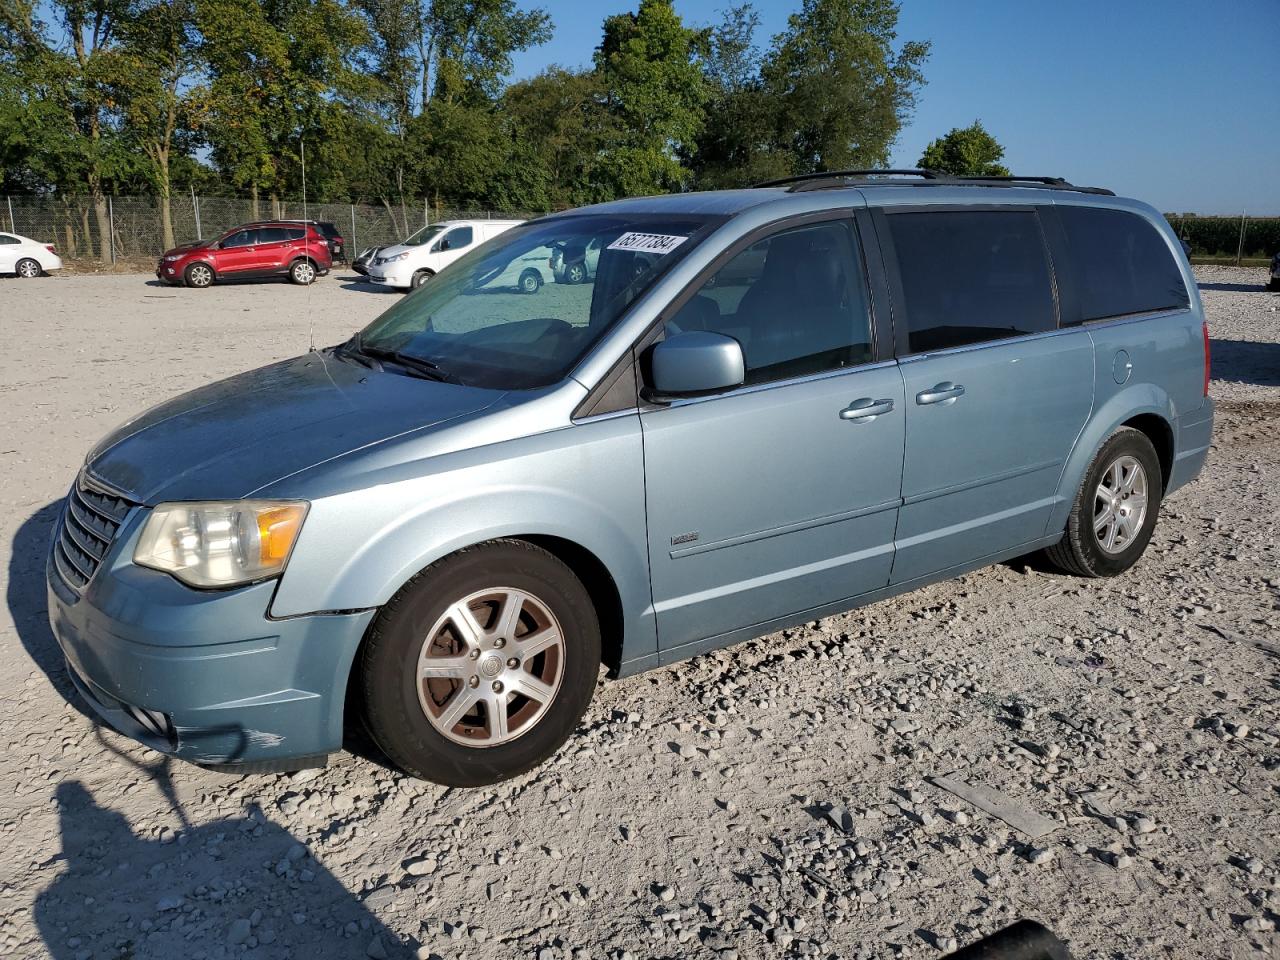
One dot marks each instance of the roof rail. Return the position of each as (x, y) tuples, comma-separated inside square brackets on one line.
[(833, 179)]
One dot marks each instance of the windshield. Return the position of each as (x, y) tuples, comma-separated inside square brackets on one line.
[(521, 310), (425, 235)]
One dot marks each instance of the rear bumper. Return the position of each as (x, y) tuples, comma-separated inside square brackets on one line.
[(205, 676), (1194, 434)]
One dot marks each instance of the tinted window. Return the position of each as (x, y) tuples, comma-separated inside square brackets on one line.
[(456, 239), (5, 238), (242, 238), (272, 234), (970, 276), (796, 302), (328, 231), (295, 233), (1122, 265)]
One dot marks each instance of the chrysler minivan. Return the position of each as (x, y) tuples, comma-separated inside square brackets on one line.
[(762, 407)]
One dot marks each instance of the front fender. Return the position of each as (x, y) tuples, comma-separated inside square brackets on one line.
[(584, 484), (1127, 403)]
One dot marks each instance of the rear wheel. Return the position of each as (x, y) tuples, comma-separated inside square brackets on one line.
[(302, 272), (28, 268), (1273, 285), (1115, 510), (198, 275), (419, 278), (481, 666), (576, 273)]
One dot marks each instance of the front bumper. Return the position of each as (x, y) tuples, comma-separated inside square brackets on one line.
[(203, 675), (390, 276)]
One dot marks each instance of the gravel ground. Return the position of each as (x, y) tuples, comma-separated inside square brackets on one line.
[(769, 800)]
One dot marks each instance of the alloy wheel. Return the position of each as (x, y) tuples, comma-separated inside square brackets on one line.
[(490, 667), (1120, 504), (28, 269), (304, 272)]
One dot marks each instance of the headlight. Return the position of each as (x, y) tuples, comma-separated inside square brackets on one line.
[(172, 258), (398, 257), (220, 544)]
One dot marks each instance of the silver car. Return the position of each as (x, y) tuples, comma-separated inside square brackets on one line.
[(760, 407)]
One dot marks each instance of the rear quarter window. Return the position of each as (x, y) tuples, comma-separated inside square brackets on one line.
[(1120, 263)]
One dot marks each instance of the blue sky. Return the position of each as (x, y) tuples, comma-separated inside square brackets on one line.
[(1176, 102)]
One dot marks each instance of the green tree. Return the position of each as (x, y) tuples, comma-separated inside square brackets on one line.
[(155, 85), (842, 88), (966, 152), (650, 63)]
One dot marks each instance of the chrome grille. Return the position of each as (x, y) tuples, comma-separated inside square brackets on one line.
[(90, 522)]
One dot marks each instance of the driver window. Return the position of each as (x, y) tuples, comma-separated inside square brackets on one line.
[(455, 239), (796, 301), (242, 238)]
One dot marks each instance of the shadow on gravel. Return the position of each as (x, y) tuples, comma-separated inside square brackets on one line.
[(1235, 287), (212, 890), (28, 606), (1246, 361)]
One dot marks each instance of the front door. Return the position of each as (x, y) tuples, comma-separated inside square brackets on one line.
[(996, 395), (9, 246), (779, 496), (237, 255), (454, 243)]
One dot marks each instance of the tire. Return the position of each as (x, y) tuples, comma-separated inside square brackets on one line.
[(419, 278), (530, 281), (1084, 549), (420, 723), (198, 275), (576, 273), (1273, 285), (27, 268), (302, 272)]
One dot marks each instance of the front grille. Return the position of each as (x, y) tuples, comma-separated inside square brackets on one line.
[(90, 521)]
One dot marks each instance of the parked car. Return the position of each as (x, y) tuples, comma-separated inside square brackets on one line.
[(25, 257), (1273, 281), (366, 256), (428, 251), (469, 507), (254, 250)]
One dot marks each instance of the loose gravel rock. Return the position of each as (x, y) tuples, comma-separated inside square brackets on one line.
[(770, 800)]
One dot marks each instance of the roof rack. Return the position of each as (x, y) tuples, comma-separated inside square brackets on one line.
[(834, 179)]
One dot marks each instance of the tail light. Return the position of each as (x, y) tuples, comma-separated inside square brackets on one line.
[(1205, 328), (50, 248)]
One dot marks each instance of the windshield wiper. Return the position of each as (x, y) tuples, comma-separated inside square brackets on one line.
[(418, 366)]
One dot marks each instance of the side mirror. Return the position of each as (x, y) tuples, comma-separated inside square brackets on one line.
[(696, 362)]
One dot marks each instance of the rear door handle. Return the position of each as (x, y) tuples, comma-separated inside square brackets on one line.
[(944, 392), (864, 410)]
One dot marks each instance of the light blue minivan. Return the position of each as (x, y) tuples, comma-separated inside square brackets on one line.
[(761, 407)]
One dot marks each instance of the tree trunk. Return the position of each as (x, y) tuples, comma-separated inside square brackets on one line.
[(166, 218), (254, 196), (275, 206), (100, 217)]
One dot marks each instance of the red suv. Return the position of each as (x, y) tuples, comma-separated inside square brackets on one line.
[(294, 250)]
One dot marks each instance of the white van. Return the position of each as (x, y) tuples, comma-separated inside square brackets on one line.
[(431, 249)]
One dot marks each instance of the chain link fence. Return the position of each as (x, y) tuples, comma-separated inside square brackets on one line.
[(123, 228)]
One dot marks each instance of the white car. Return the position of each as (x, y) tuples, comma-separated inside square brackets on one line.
[(26, 257), (430, 250)]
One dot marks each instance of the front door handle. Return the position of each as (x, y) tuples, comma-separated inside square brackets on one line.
[(864, 410), (944, 392)]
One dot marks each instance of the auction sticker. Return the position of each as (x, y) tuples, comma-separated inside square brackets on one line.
[(647, 242)]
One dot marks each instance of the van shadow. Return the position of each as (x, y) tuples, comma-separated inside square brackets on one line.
[(28, 603), (217, 888), (1246, 361), (1234, 287)]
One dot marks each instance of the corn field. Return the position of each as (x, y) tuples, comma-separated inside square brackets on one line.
[(131, 227)]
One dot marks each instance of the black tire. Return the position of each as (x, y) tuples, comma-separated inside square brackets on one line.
[(303, 272), (27, 268), (1273, 285), (530, 281), (389, 659), (198, 275), (1080, 551), (419, 278), (576, 273)]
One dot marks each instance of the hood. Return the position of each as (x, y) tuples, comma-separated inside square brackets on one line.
[(187, 247), (231, 438)]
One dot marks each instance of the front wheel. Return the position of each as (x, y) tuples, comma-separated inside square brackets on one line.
[(302, 272), (1115, 510), (419, 278), (198, 275), (481, 666), (27, 268), (577, 273), (530, 281)]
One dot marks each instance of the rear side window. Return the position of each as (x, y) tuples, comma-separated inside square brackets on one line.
[(272, 235), (295, 233), (1122, 264), (5, 238), (971, 276)]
